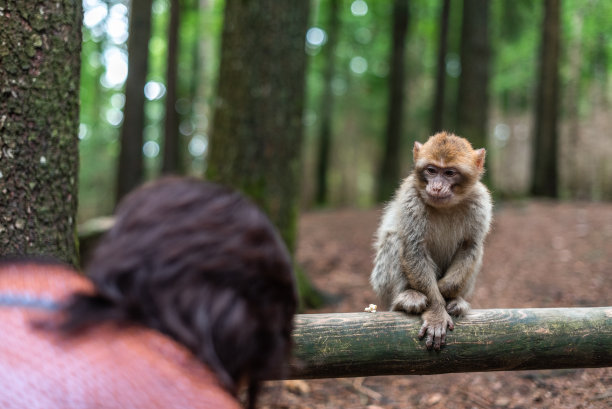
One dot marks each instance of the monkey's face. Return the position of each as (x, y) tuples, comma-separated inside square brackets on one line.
[(447, 168), (441, 186)]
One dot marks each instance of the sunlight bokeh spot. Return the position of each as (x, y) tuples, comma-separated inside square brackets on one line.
[(83, 131), (117, 100), (186, 127), (154, 90), (359, 65), (117, 24), (150, 149), (501, 134), (95, 15), (316, 37), (359, 8), (363, 35), (115, 60), (198, 145), (114, 116)]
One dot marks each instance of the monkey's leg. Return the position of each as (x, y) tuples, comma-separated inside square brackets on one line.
[(410, 301)]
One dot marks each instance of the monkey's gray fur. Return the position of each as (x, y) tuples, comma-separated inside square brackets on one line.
[(428, 256)]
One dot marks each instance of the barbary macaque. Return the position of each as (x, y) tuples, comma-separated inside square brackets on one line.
[(430, 240)]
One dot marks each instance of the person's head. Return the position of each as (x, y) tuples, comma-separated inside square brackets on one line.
[(202, 264)]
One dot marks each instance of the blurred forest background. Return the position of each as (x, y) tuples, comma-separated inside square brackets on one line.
[(374, 69)]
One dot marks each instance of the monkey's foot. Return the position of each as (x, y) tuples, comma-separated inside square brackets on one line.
[(410, 301), (435, 323), (457, 307)]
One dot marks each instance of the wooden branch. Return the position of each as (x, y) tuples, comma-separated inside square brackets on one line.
[(386, 343)]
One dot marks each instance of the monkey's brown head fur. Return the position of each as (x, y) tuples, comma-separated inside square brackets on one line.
[(202, 264), (447, 167)]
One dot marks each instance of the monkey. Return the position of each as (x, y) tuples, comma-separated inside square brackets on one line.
[(429, 244)]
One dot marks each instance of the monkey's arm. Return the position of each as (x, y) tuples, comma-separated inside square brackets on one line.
[(459, 278), (420, 272)]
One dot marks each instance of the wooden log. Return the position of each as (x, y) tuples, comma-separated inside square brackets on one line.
[(386, 343)]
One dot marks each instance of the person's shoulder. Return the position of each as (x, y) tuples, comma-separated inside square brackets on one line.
[(48, 279), (150, 368)]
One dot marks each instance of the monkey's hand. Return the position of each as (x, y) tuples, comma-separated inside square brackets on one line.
[(435, 322)]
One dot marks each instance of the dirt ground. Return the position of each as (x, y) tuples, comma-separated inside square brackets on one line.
[(538, 254)]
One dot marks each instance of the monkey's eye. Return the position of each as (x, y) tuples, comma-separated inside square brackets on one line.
[(450, 173), (431, 170)]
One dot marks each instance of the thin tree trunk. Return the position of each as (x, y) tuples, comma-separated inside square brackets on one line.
[(389, 171), (437, 123), (544, 162), (473, 97), (130, 173), (575, 177), (325, 134), (40, 63), (171, 157)]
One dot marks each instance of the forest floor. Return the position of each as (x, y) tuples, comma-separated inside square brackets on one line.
[(538, 254)]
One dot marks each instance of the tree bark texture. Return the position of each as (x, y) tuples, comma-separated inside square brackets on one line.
[(326, 106), (130, 172), (438, 105), (386, 343), (171, 157), (544, 162), (473, 94), (257, 126), (389, 168), (40, 63)]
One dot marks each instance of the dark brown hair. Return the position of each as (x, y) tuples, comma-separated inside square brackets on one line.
[(202, 264)]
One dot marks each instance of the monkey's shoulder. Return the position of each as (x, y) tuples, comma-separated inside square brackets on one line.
[(480, 205)]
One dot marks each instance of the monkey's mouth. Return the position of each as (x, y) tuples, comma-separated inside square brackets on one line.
[(439, 199)]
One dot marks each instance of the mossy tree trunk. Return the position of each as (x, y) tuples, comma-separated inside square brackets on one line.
[(256, 137), (130, 173), (40, 62), (257, 127), (389, 168)]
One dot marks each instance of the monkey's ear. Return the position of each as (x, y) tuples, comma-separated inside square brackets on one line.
[(480, 158), (416, 149)]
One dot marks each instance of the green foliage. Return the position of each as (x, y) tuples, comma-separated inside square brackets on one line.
[(515, 47), (102, 104), (360, 83)]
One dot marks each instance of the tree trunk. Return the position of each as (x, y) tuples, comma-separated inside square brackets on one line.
[(386, 343), (544, 162), (325, 133), (130, 173), (171, 157), (473, 96), (257, 128), (40, 63), (437, 123), (389, 170), (256, 137)]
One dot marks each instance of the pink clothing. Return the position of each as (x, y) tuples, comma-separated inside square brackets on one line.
[(107, 366)]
